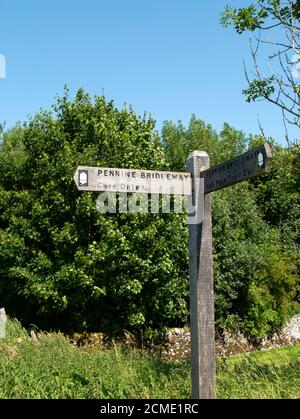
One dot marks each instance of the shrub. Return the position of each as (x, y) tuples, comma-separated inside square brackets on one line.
[(63, 264)]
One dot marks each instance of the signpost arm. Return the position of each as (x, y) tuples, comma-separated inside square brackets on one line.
[(201, 283)]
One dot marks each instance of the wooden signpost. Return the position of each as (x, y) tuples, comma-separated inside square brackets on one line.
[(196, 183), (205, 180), (250, 164), (107, 179)]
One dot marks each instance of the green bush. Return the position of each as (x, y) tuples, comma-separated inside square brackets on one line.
[(63, 264), (255, 264)]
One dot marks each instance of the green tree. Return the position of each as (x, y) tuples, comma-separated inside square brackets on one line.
[(62, 263), (277, 82), (65, 265), (255, 270), (179, 142)]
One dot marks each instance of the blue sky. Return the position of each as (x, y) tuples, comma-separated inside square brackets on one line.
[(170, 58)]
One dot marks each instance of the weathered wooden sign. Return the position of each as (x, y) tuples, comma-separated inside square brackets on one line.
[(205, 180), (132, 180), (197, 183), (250, 164)]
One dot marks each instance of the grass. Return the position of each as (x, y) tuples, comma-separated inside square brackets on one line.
[(272, 374), (52, 368)]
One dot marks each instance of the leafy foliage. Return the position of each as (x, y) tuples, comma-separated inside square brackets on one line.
[(255, 265), (64, 265)]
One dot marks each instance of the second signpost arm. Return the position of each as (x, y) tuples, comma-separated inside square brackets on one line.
[(201, 283)]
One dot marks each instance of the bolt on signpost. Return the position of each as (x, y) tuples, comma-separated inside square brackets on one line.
[(197, 183)]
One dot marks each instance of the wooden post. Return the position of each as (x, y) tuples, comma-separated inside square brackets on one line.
[(205, 180), (3, 320), (201, 282)]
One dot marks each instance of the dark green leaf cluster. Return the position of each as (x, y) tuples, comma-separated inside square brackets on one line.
[(261, 14), (259, 89), (247, 18)]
